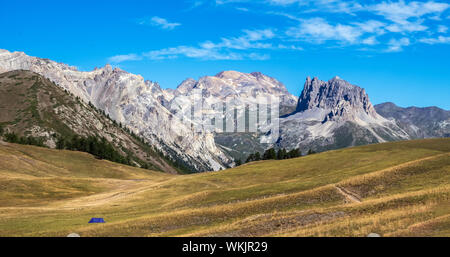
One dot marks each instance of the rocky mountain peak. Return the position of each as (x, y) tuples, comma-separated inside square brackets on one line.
[(336, 78), (337, 96), (229, 74), (108, 67), (387, 105), (259, 75), (237, 84), (185, 86), (188, 81)]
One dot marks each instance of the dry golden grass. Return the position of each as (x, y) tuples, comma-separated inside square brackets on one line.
[(404, 189)]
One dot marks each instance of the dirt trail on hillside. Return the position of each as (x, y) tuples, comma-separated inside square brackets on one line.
[(349, 196), (352, 197), (410, 163), (358, 178), (125, 189)]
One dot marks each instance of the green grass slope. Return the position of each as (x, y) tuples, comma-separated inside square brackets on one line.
[(394, 189)]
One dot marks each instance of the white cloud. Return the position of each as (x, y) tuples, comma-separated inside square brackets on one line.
[(242, 9), (123, 58), (438, 40), (287, 15), (159, 22), (370, 41), (319, 30), (372, 26), (226, 49), (334, 6), (442, 29), (402, 17), (219, 2), (405, 16), (283, 2), (396, 45), (257, 56), (290, 47), (396, 11), (400, 12), (202, 53), (191, 52), (406, 27), (410, 19), (248, 40)]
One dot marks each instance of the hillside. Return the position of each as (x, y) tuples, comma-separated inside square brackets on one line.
[(33, 106), (394, 189)]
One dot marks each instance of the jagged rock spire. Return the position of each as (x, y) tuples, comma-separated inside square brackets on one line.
[(336, 95)]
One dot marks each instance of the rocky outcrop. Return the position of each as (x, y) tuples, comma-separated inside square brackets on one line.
[(335, 114), (337, 95)]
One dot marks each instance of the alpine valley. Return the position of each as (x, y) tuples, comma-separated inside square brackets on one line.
[(50, 100)]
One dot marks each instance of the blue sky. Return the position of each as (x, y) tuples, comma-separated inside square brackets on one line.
[(398, 51)]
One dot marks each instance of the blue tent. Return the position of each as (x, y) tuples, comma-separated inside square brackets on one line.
[(97, 220)]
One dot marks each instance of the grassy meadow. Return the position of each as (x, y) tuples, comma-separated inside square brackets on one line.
[(393, 189)]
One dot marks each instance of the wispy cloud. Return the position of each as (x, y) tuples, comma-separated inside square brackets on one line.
[(290, 47), (250, 39), (335, 6), (247, 46), (408, 17), (191, 52), (158, 22), (442, 29), (283, 2), (438, 40), (124, 57), (221, 2), (405, 18), (285, 14), (392, 25), (396, 45), (202, 53), (242, 9), (399, 12), (407, 26), (370, 41), (318, 30), (222, 50), (371, 26)]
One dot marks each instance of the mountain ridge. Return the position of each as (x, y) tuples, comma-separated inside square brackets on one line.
[(327, 114), (130, 100), (420, 122), (228, 83)]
